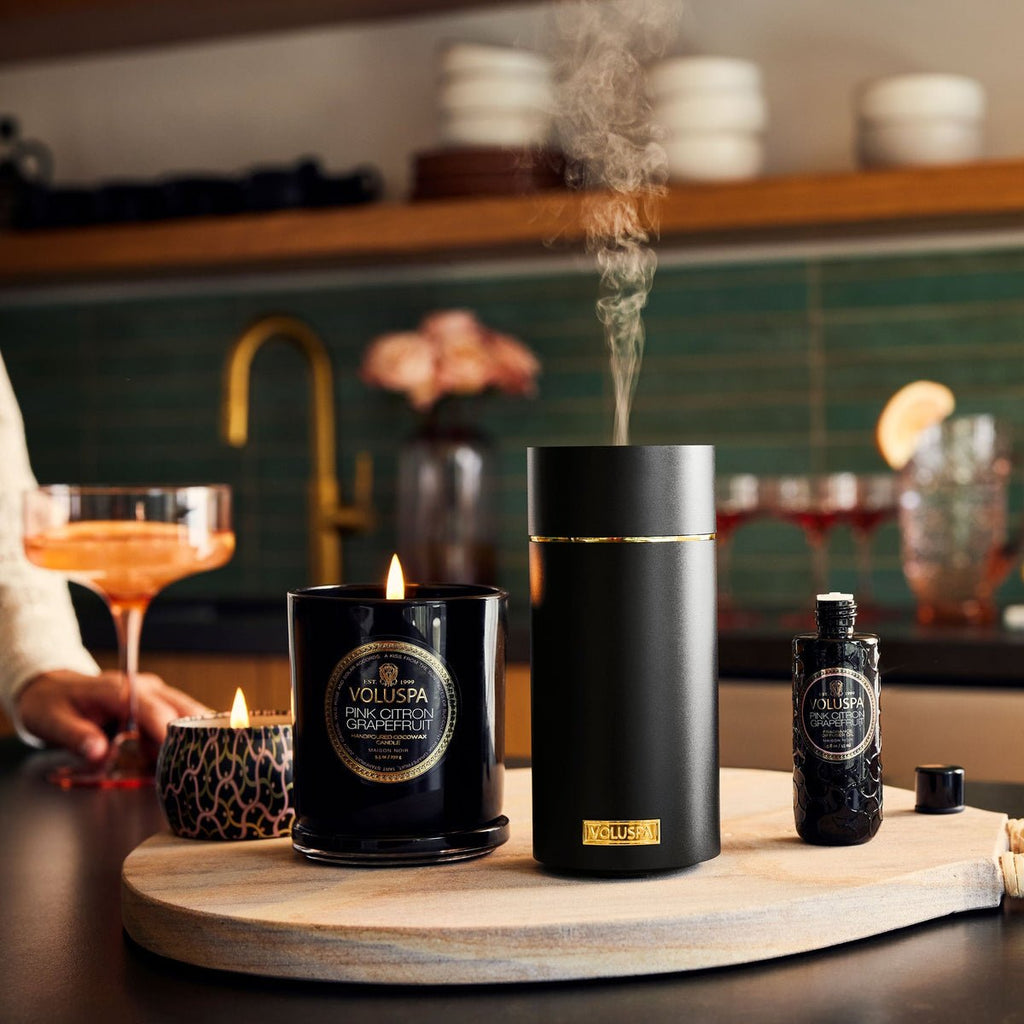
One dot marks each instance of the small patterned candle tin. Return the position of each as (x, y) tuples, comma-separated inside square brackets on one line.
[(216, 781)]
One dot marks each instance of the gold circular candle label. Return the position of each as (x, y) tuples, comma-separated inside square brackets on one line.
[(390, 708)]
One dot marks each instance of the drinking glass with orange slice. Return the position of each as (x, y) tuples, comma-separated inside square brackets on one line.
[(953, 502), (908, 413)]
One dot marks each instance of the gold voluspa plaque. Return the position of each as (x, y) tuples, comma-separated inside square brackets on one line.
[(635, 832)]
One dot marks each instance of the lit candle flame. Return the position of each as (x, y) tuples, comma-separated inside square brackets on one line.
[(239, 711), (395, 589)]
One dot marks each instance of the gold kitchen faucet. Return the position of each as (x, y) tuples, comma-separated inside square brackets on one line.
[(328, 518)]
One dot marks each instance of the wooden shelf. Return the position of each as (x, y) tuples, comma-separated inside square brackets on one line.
[(976, 195)]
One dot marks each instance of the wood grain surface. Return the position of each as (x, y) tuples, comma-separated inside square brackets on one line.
[(260, 908)]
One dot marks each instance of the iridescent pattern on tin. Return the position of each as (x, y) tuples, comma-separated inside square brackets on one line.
[(216, 782)]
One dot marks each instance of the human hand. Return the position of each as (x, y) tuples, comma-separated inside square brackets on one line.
[(69, 709)]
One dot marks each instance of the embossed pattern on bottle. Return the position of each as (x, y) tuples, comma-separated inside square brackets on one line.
[(837, 768)]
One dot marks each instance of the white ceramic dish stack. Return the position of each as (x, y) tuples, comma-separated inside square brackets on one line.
[(494, 96), (713, 114), (919, 120)]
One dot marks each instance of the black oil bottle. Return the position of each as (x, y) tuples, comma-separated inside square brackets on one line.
[(837, 767)]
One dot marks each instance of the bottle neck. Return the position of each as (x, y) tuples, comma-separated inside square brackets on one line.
[(835, 619), (830, 631)]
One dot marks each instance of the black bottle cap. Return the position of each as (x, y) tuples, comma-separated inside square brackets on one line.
[(835, 614), (939, 788)]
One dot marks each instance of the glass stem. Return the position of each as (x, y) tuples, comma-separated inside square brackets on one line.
[(819, 560), (862, 538), (128, 623), (724, 571)]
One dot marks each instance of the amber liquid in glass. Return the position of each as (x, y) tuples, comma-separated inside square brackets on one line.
[(126, 544), (128, 562)]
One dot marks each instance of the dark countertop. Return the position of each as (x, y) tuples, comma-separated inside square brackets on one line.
[(66, 958), (758, 647)]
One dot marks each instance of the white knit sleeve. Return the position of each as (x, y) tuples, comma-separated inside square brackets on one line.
[(38, 628)]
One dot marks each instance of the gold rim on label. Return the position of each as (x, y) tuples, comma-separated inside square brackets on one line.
[(338, 737), (622, 540)]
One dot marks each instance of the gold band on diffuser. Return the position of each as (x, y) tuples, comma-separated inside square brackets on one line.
[(622, 540)]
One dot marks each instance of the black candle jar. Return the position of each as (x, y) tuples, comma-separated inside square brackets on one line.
[(623, 665), (399, 722)]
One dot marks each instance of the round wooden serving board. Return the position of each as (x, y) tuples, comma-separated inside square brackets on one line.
[(260, 908)]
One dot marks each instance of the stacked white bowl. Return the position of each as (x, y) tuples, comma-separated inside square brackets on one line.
[(919, 119), (494, 96), (713, 114)]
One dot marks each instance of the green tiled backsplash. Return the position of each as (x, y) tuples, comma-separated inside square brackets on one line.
[(783, 365)]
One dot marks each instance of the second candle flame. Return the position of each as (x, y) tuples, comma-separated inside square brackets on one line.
[(239, 711), (395, 588)]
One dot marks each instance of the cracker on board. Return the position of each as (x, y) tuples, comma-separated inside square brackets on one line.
[(1015, 830), (1006, 864)]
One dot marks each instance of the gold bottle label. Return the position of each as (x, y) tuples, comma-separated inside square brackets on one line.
[(632, 832), (838, 714)]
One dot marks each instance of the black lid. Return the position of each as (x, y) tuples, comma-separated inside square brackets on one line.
[(939, 788), (621, 491), (835, 614)]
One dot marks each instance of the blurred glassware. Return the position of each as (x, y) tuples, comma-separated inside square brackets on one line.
[(875, 501), (953, 520), (445, 510), (447, 530), (739, 498), (24, 165), (816, 503)]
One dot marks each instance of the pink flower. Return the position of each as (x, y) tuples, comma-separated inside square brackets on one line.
[(450, 323), (515, 366), (403, 362), (452, 353), (464, 365)]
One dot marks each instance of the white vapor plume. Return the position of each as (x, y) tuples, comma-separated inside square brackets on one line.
[(612, 148)]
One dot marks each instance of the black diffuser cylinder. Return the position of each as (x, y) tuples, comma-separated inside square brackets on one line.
[(623, 658)]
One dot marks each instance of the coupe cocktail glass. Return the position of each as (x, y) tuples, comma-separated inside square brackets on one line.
[(126, 544), (739, 498), (875, 502), (816, 504)]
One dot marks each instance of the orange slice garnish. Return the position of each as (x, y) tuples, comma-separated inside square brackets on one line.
[(909, 412)]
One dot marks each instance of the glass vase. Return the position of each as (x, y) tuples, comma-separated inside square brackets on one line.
[(446, 522)]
